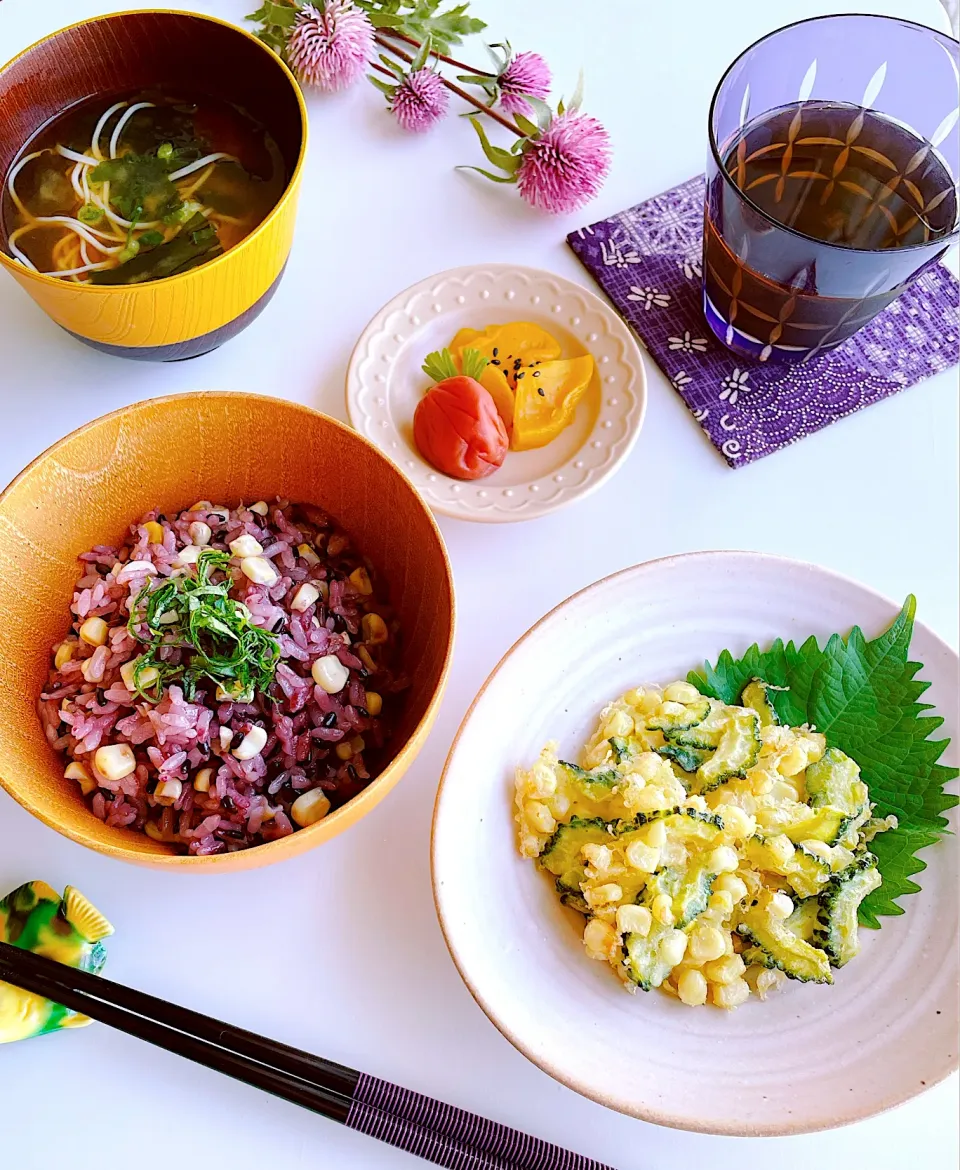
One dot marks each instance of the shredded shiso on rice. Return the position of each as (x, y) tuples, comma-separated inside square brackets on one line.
[(245, 721)]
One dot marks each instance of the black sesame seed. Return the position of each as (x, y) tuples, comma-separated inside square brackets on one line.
[(364, 712), (494, 362), (541, 392), (536, 373), (330, 720), (495, 351), (228, 803), (277, 626), (351, 771), (107, 794), (519, 376)]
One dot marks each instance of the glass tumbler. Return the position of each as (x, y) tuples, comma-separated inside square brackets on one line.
[(831, 180)]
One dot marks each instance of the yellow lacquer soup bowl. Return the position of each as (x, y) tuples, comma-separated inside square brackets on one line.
[(189, 314)]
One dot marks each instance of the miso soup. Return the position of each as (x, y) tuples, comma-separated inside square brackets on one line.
[(139, 187)]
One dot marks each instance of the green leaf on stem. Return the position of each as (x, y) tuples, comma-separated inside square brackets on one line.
[(529, 128), (495, 154), (487, 174), (543, 112)]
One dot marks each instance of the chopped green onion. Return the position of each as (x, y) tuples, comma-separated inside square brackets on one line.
[(128, 251), (165, 150), (152, 238), (215, 631), (90, 213)]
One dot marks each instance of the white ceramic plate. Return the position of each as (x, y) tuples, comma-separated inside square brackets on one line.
[(810, 1057), (385, 383)]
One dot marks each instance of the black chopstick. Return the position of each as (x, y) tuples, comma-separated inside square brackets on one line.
[(439, 1133)]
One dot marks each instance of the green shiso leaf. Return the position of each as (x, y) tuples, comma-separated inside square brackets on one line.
[(863, 696)]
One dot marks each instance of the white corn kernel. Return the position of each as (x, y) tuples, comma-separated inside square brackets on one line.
[(672, 948), (600, 940), (723, 859), (780, 791), (200, 533), (79, 772), (731, 995), (360, 580), (736, 823), (330, 674), (64, 654), (308, 554), (133, 569), (599, 856), (201, 506), (781, 906), (642, 856), (681, 692), (259, 570), (781, 847), (692, 988), (793, 760), (721, 904), (115, 761), (374, 629), (310, 807), (662, 909), (601, 895), (655, 834), (261, 507), (251, 745), (374, 705), (226, 735), (343, 751), (246, 546), (706, 943), (540, 817), (201, 781), (154, 532), (189, 555), (620, 724), (94, 631), (148, 676), (647, 766), (725, 970), (634, 920), (168, 791), (304, 597)]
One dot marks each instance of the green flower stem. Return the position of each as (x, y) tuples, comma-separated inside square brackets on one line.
[(384, 43)]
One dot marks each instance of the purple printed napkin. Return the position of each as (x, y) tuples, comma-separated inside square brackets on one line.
[(647, 259)]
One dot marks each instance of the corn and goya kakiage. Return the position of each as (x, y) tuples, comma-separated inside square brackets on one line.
[(713, 852)]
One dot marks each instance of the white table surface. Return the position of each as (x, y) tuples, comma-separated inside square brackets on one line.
[(339, 951)]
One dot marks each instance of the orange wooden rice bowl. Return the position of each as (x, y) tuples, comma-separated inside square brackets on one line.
[(167, 453)]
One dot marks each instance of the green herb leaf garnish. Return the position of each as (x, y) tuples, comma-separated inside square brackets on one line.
[(215, 632), (440, 364), (140, 185), (863, 696)]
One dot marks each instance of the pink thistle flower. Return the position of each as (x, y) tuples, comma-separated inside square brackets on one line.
[(565, 165), (419, 100), (330, 46), (526, 74)]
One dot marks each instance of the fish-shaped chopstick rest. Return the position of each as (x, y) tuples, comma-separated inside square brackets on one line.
[(67, 929)]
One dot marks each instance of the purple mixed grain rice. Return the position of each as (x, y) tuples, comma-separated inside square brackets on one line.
[(86, 704)]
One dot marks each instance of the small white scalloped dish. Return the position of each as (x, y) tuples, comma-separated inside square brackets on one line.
[(809, 1057), (385, 383)]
